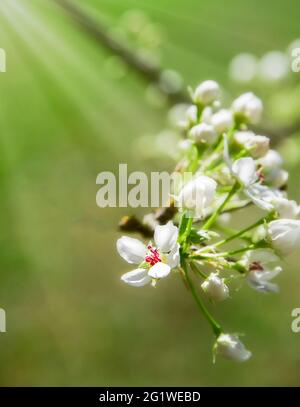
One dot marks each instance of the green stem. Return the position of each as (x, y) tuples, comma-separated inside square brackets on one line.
[(243, 231), (185, 227), (213, 323), (215, 215)]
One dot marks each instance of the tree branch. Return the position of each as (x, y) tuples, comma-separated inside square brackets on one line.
[(150, 72)]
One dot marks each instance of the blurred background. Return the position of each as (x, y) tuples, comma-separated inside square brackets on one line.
[(69, 109)]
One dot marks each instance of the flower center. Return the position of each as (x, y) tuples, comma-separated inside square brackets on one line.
[(152, 256), (256, 266)]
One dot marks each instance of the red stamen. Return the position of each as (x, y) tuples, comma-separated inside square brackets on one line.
[(153, 257)]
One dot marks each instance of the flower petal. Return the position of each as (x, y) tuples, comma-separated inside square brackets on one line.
[(245, 170), (261, 196), (262, 256), (159, 270), (132, 250), (136, 278), (165, 236), (174, 257)]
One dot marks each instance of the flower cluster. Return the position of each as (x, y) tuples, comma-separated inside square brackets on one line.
[(233, 168)]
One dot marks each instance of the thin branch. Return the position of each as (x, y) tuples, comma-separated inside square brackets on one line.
[(95, 29)]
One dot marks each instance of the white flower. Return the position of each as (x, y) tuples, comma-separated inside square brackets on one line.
[(154, 262), (215, 287), (197, 195), (191, 114), (285, 235), (286, 208), (206, 115), (257, 145), (271, 160), (222, 120), (244, 171), (248, 107), (203, 133), (278, 178), (261, 270), (273, 172), (207, 92), (230, 347)]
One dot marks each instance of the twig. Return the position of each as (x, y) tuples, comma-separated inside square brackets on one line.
[(150, 72)]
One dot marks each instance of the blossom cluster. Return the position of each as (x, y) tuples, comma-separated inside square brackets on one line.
[(233, 168)]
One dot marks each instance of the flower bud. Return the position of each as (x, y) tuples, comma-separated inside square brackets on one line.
[(286, 208), (191, 115), (257, 145), (207, 92), (222, 120), (215, 287), (197, 195), (230, 347), (203, 133), (271, 160), (278, 178), (248, 107), (285, 235)]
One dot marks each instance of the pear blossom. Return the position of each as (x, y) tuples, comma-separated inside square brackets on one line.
[(257, 145), (208, 192), (244, 171), (203, 133), (154, 262), (286, 208), (197, 195), (187, 118), (230, 347), (284, 235), (207, 114), (207, 92), (273, 173), (215, 288), (271, 160), (261, 269), (222, 120), (191, 114), (248, 107)]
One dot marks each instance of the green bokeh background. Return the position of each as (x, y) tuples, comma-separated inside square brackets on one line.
[(63, 119)]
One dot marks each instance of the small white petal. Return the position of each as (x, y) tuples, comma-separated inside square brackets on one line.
[(222, 120), (287, 209), (203, 133), (230, 347), (159, 270), (206, 92), (249, 107), (285, 235), (262, 256), (215, 287), (166, 236), (245, 170), (132, 250), (259, 196), (173, 257), (136, 278)]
